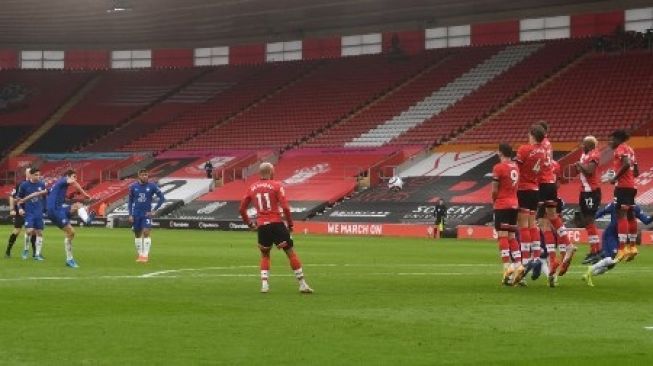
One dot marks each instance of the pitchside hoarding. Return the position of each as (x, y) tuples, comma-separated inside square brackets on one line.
[(406, 213), (228, 210), (4, 209)]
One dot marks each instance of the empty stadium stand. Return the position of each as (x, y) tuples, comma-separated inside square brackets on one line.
[(116, 97), (499, 91), (598, 94), (445, 97), (334, 90), (209, 83), (29, 97), (256, 84)]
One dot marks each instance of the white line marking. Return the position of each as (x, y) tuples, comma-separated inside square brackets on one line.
[(418, 265), (176, 273), (648, 328), (158, 273), (434, 274)]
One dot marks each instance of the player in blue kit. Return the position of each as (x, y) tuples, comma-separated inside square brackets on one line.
[(59, 212), (31, 198), (140, 211), (611, 241)]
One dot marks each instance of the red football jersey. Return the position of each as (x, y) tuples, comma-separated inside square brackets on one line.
[(530, 159), (627, 180), (507, 175), (589, 183), (269, 198), (547, 174)]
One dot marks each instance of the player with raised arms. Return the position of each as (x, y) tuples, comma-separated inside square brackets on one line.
[(625, 171), (269, 198), (140, 211), (549, 219), (530, 158)]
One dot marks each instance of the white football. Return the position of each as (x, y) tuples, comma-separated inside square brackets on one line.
[(84, 214), (395, 184)]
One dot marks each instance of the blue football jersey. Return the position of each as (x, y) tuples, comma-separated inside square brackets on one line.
[(34, 206), (141, 197), (57, 196)]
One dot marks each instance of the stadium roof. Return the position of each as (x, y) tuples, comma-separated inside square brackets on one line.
[(168, 23)]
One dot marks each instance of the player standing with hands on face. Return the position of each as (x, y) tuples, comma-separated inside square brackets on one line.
[(268, 197), (140, 211)]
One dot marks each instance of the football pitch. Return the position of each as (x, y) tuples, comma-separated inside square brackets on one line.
[(377, 301)]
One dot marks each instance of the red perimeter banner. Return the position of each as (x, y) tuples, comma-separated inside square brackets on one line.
[(577, 235), (364, 229)]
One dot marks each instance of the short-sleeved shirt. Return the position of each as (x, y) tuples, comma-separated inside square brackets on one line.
[(589, 183), (507, 175), (141, 197), (35, 205), (530, 159), (547, 174), (57, 196), (269, 198), (627, 180)]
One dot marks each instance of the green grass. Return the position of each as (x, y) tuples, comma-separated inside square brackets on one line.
[(378, 301)]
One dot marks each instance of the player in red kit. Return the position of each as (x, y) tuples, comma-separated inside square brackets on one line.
[(269, 199), (530, 158), (547, 190), (548, 217), (625, 171), (589, 199), (505, 176)]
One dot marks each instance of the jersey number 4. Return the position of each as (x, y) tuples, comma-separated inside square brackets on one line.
[(536, 167), (264, 201)]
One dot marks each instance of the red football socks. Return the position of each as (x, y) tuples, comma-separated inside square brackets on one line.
[(504, 248), (593, 238), (525, 238), (295, 264)]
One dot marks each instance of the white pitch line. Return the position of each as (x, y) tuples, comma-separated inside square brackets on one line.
[(435, 274), (420, 265), (648, 328), (175, 273), (156, 274)]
